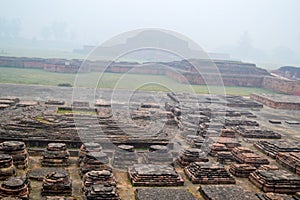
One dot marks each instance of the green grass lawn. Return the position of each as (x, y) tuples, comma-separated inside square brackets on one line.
[(113, 80)]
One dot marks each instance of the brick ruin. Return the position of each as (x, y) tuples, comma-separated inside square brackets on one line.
[(47, 64), (272, 148), (256, 132), (236, 193), (56, 155), (290, 160), (7, 167), (17, 150), (212, 153), (233, 73), (17, 187), (247, 156), (57, 184), (278, 101), (163, 193), (277, 181), (208, 173), (280, 85), (232, 192), (241, 170), (154, 175), (124, 156)]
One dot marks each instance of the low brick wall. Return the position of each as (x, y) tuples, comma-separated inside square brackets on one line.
[(273, 103), (228, 79)]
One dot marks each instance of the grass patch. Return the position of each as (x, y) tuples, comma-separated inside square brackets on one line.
[(42, 120), (141, 149), (115, 81)]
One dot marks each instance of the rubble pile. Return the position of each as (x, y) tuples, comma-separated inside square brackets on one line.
[(247, 156), (57, 183), (208, 173), (17, 150), (7, 168), (154, 175), (278, 181), (241, 170), (124, 156), (56, 155)]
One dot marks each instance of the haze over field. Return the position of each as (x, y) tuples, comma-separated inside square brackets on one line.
[(251, 30)]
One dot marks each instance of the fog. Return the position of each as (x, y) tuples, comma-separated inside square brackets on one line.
[(254, 30)]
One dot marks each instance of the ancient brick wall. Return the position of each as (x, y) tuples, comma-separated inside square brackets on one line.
[(11, 62), (135, 70), (268, 101), (54, 65), (281, 85), (233, 73), (263, 100), (37, 64), (228, 80)]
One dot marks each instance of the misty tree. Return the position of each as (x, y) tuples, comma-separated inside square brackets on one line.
[(245, 45), (59, 30), (46, 33), (284, 54), (73, 34), (2, 26), (10, 28), (15, 27)]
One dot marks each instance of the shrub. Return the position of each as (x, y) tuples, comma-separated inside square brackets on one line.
[(64, 85)]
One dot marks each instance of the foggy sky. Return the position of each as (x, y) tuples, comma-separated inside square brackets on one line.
[(213, 24)]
